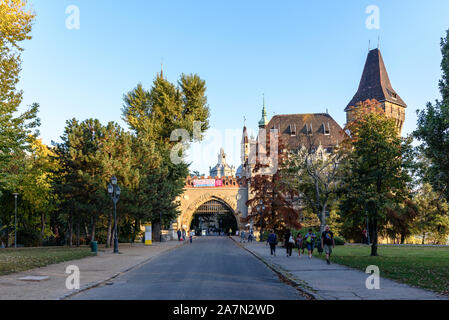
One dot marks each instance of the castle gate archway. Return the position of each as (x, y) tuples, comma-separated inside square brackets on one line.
[(227, 192)]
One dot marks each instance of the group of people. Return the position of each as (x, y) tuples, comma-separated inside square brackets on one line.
[(182, 235), (246, 235), (308, 241)]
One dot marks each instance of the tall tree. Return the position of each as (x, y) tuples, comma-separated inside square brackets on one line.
[(433, 130), (15, 129), (314, 174), (153, 116), (271, 202), (377, 173)]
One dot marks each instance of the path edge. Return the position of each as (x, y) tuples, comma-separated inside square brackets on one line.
[(100, 282), (309, 294)]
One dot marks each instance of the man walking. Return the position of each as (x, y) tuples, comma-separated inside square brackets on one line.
[(179, 234), (327, 239), (288, 242), (272, 241)]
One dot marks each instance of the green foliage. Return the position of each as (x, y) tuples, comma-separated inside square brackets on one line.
[(376, 177), (433, 131)]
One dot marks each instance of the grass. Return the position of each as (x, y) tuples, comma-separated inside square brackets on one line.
[(18, 260), (424, 267)]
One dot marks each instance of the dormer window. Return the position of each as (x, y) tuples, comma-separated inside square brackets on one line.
[(292, 129), (326, 129), (310, 130)]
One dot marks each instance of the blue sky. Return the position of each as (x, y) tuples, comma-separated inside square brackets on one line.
[(306, 56)]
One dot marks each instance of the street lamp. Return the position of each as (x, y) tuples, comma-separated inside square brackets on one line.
[(114, 192), (15, 219)]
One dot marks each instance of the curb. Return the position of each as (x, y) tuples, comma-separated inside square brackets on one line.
[(308, 293), (100, 282)]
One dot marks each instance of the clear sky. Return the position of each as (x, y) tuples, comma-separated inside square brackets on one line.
[(306, 56)]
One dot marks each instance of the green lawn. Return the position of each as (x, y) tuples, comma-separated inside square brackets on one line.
[(425, 267), (12, 260)]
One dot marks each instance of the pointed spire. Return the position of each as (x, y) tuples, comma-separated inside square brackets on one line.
[(375, 83), (263, 122)]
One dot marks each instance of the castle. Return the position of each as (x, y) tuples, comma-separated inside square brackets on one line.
[(224, 188)]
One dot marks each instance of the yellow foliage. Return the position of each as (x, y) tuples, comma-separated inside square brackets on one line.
[(16, 20)]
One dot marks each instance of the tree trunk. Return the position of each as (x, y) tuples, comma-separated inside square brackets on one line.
[(7, 237), (375, 239), (78, 231), (109, 234), (42, 228), (70, 229), (94, 224), (423, 237), (402, 239), (157, 232)]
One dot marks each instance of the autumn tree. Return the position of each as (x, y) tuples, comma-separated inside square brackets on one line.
[(271, 203), (376, 173)]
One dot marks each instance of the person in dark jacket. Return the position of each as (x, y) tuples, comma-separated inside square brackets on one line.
[(272, 241), (288, 243), (179, 235)]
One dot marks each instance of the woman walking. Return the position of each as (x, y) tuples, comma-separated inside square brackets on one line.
[(288, 243), (299, 243)]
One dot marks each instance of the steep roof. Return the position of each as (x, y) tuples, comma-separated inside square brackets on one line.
[(295, 128), (375, 83)]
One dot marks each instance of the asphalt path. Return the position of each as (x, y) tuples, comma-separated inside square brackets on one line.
[(209, 268)]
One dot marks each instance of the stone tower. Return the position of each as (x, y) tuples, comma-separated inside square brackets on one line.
[(375, 84)]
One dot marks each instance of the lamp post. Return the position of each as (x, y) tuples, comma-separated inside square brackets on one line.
[(114, 192), (15, 219)]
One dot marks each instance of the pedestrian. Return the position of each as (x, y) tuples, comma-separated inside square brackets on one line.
[(299, 243), (364, 236), (327, 239), (242, 236), (183, 234), (191, 236), (272, 241), (310, 242), (288, 243), (179, 234), (250, 237)]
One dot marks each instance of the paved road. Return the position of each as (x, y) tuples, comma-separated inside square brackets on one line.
[(210, 268)]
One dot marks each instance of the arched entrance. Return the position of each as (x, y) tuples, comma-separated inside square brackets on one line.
[(213, 217)]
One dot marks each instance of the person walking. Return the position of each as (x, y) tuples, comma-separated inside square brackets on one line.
[(365, 237), (310, 242), (179, 234), (299, 243), (272, 241), (288, 243), (242, 236), (327, 239)]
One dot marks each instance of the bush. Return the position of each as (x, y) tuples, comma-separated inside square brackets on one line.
[(339, 241)]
